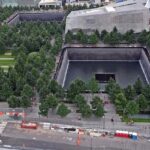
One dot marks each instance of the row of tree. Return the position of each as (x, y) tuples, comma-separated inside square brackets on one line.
[(51, 102), (74, 96), (131, 100), (79, 86), (81, 37), (40, 36), (113, 37), (70, 8), (86, 110), (35, 53)]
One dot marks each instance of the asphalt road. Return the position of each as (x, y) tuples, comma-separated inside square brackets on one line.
[(25, 144)]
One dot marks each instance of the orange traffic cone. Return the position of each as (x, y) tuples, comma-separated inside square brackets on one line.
[(78, 140)]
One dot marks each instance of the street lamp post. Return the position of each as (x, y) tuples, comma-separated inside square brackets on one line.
[(104, 122), (91, 143)]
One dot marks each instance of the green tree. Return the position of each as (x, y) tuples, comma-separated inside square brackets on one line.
[(138, 86), (19, 85), (93, 85), (60, 92), (113, 37), (146, 92), (35, 73), (103, 34), (72, 91), (63, 110), (80, 101), (68, 37), (25, 101), (113, 89), (51, 101), (115, 30), (86, 111), (53, 86), (2, 46), (50, 65), (80, 85), (97, 33), (6, 91), (39, 84), (13, 77), (81, 37), (96, 101), (44, 108), (34, 59), (43, 92), (130, 92), (27, 91), (142, 38), (148, 40), (121, 103), (99, 112), (143, 103), (131, 108), (13, 101), (20, 63), (93, 39), (107, 38), (31, 80), (129, 36), (110, 85), (42, 54)]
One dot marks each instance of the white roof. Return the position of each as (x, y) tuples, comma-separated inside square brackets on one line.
[(107, 9)]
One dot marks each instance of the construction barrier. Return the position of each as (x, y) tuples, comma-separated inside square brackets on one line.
[(126, 134), (29, 125)]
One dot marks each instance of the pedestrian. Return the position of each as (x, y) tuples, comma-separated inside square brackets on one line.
[(112, 120)]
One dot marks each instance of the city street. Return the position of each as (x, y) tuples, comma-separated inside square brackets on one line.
[(57, 140)]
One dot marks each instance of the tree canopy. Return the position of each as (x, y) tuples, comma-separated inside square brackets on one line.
[(63, 110)]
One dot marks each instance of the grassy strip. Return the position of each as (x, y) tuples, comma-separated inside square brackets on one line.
[(146, 120), (141, 120), (4, 67), (6, 56), (6, 62)]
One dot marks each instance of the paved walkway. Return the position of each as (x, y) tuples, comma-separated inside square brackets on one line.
[(93, 122)]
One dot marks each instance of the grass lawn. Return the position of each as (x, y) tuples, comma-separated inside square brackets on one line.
[(146, 120), (6, 61), (141, 120), (6, 56)]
